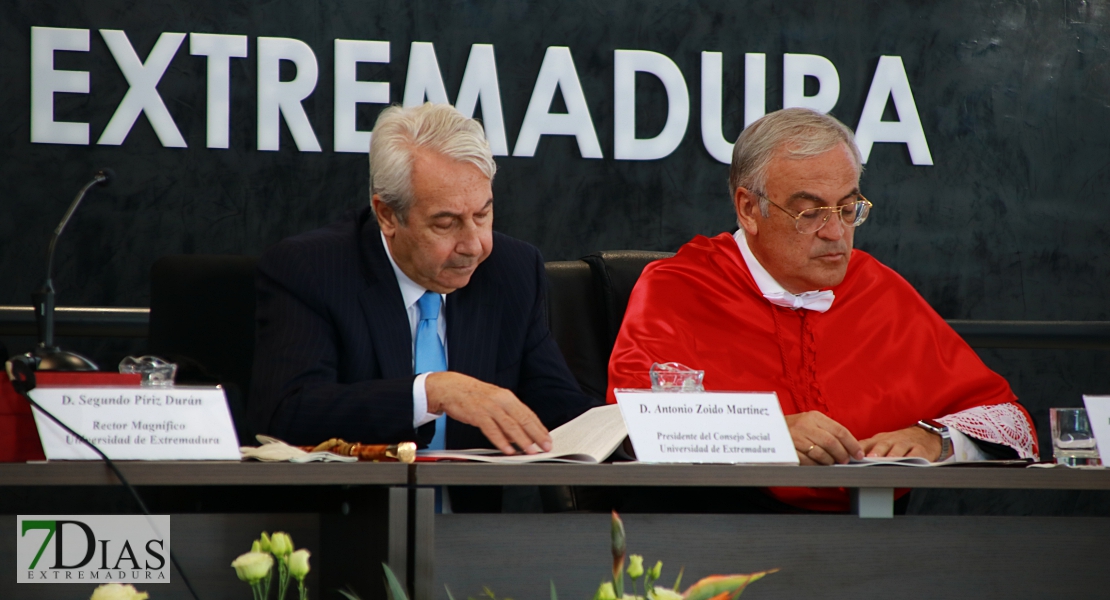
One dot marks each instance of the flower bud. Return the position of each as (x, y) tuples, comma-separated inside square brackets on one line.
[(256, 546), (657, 570), (252, 567), (605, 592), (635, 566), (298, 564), (116, 591), (281, 545), (618, 537)]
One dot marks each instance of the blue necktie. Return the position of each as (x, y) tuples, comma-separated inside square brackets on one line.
[(429, 356)]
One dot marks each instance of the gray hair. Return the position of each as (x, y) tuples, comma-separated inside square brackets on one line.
[(799, 132), (436, 127)]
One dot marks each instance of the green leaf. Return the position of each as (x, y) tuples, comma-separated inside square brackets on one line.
[(449, 596), (395, 589), (349, 594), (554, 596), (678, 580), (718, 585)]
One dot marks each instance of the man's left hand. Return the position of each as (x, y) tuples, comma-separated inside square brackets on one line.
[(911, 441)]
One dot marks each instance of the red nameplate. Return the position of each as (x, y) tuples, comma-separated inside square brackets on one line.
[(19, 439)]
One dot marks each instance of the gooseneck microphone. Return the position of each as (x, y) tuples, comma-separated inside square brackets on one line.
[(52, 358)]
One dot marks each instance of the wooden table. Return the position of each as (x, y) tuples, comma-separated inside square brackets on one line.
[(829, 556)]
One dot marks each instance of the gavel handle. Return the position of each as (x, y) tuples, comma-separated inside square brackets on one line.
[(404, 452)]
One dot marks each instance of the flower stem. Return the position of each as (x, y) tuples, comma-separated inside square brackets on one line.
[(283, 579), (303, 590)]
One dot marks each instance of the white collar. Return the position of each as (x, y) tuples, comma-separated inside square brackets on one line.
[(773, 291), (410, 290)]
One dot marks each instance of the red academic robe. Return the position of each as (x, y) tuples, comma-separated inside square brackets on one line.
[(878, 360)]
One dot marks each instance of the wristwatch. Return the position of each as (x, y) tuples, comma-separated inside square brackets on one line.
[(940, 429)]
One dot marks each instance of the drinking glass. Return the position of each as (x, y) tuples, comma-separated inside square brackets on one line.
[(155, 371), (1073, 442), (676, 377)]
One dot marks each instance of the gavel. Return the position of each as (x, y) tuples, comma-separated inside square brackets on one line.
[(404, 452)]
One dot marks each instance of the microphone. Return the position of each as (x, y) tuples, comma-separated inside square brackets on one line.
[(52, 358)]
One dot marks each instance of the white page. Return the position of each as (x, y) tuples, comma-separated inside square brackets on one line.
[(589, 438)]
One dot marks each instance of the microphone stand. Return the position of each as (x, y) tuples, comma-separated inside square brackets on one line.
[(51, 357)]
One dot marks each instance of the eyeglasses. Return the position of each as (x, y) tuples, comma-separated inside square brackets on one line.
[(811, 220)]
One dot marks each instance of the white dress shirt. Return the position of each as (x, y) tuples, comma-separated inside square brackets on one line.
[(963, 448), (411, 293)]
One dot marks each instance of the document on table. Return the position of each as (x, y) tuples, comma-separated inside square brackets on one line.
[(590, 438)]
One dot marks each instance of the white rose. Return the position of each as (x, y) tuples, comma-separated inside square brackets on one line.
[(298, 564), (250, 567), (116, 591)]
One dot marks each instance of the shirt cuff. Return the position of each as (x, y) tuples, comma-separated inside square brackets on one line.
[(964, 448), (420, 414)]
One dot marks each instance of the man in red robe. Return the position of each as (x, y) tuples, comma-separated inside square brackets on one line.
[(862, 365)]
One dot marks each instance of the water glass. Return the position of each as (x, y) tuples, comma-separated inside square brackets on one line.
[(155, 371), (676, 377), (1073, 442)]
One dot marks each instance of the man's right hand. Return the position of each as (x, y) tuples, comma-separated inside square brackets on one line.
[(503, 418), (820, 440)]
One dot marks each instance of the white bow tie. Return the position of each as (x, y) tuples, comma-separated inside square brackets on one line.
[(818, 301)]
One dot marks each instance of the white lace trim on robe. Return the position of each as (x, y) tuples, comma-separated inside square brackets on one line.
[(999, 424)]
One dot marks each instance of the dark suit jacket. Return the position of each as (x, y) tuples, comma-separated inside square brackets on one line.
[(334, 349)]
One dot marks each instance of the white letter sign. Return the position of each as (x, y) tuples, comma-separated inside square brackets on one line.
[(137, 423), (557, 72), (891, 82), (707, 427), (1098, 413), (626, 146), (47, 81), (277, 98), (795, 69), (350, 92), (219, 49), (142, 97)]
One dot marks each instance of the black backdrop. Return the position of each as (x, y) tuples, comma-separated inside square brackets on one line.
[(1014, 99)]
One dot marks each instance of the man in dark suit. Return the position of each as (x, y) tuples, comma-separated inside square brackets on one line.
[(412, 313)]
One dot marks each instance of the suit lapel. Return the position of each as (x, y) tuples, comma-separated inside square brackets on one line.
[(473, 328), (382, 303)]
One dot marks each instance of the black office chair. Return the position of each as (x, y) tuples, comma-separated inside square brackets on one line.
[(586, 303), (577, 317), (202, 317), (615, 273)]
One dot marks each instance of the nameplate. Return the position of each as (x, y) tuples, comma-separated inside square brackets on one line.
[(706, 427), (137, 423), (1098, 413)]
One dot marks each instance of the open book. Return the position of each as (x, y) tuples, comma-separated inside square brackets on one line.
[(590, 438)]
